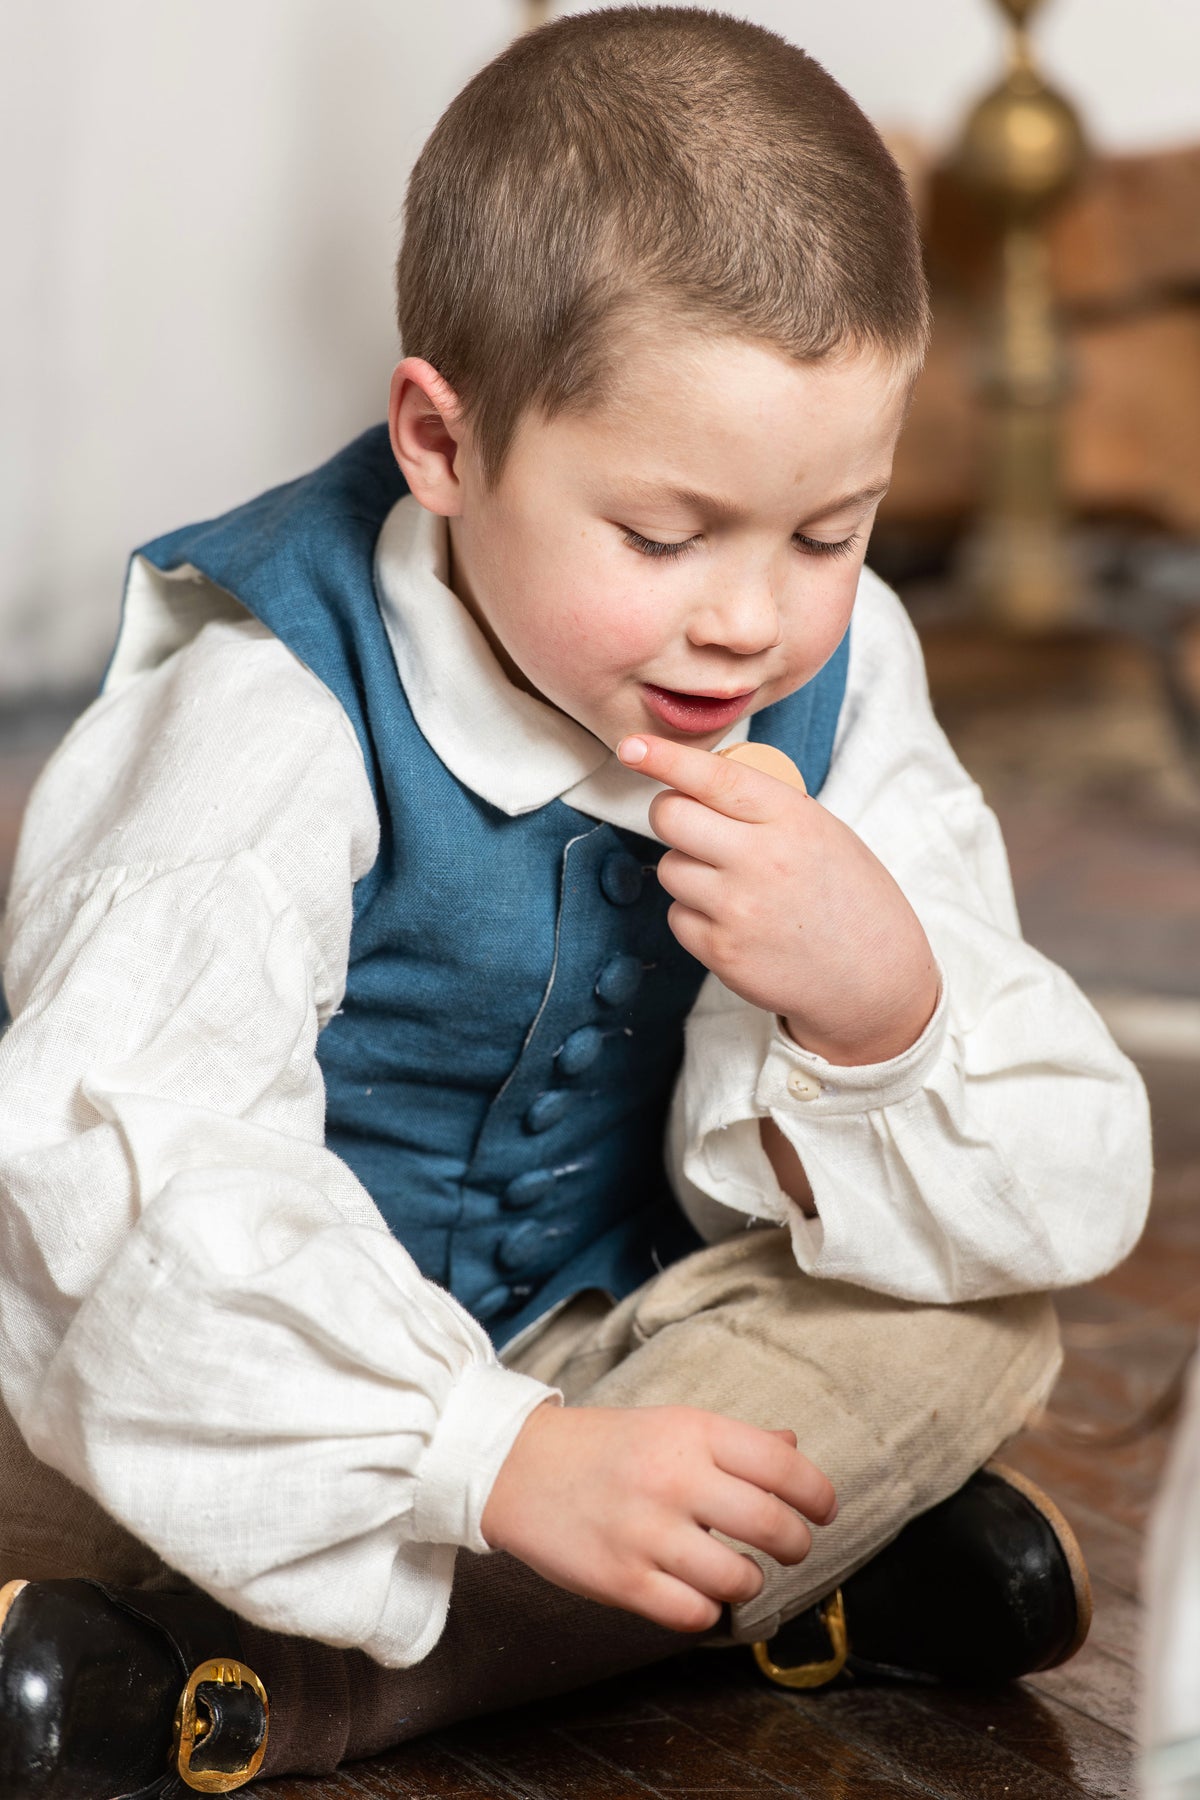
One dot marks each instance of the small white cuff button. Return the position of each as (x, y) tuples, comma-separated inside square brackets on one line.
[(801, 1086)]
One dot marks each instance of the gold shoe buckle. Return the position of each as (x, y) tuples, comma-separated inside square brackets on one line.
[(190, 1731), (814, 1674)]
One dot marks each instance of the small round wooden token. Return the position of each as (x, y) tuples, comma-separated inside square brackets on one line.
[(769, 760)]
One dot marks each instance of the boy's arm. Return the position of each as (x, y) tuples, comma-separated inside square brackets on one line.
[(198, 1300), (1007, 1148)]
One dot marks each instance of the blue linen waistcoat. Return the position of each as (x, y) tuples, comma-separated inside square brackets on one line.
[(499, 1073)]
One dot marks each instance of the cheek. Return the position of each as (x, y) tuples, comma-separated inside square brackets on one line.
[(626, 630), (606, 622), (824, 616)]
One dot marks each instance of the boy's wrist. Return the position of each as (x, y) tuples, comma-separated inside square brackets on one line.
[(870, 1046)]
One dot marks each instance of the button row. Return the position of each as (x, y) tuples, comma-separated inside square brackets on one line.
[(622, 879)]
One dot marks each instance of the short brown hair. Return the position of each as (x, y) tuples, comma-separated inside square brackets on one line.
[(619, 160)]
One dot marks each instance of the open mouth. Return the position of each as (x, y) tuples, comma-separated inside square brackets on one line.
[(697, 713)]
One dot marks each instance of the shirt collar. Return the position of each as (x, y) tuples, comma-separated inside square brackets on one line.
[(513, 750)]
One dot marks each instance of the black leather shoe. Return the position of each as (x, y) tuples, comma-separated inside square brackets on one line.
[(108, 1694), (988, 1586)]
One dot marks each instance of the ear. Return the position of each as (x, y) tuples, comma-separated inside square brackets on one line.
[(426, 426)]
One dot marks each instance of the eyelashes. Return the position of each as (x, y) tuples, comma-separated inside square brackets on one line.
[(810, 546)]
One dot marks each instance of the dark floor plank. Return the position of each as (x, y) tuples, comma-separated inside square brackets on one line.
[(722, 1696), (1108, 1384), (785, 1748), (422, 1771), (877, 1740), (1112, 1550), (1116, 1622), (1097, 1684), (955, 1761), (672, 1758), (534, 1761), (555, 1764), (1064, 1742), (1164, 1277), (1118, 1482)]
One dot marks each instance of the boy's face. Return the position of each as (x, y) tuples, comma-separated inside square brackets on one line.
[(688, 550)]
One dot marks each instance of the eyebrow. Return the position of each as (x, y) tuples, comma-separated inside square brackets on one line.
[(715, 508)]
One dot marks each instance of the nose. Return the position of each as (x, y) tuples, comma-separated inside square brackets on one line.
[(741, 616)]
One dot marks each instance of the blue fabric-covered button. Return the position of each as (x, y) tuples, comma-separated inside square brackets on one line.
[(547, 1110), (619, 980), (579, 1051), (493, 1302), (529, 1188), (621, 878), (518, 1248)]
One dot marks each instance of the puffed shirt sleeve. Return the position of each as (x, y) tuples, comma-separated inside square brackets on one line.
[(204, 1321), (1008, 1149)]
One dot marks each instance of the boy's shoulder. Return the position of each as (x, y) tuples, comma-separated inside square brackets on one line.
[(300, 558), (196, 751)]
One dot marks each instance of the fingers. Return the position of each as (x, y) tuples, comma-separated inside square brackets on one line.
[(687, 825), (670, 1602), (761, 1458), (696, 884), (694, 931), (713, 1569), (728, 787), (653, 1593), (745, 1512)]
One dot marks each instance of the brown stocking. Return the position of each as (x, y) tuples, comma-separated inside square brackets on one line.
[(510, 1637)]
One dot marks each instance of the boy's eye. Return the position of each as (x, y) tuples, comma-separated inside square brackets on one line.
[(811, 546), (652, 547), (815, 547)]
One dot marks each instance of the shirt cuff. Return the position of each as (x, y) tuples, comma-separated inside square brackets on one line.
[(797, 1083), (478, 1426)]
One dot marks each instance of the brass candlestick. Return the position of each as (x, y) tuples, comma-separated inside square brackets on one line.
[(1022, 148)]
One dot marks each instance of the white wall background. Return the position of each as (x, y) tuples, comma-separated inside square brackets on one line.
[(201, 202)]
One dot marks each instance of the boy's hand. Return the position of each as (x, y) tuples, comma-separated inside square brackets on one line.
[(787, 905), (618, 1504)]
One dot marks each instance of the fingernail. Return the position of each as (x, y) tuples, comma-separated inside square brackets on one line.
[(632, 750)]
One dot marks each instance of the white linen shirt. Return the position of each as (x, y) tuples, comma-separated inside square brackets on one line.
[(204, 1321)]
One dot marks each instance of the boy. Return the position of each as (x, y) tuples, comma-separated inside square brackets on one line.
[(349, 976)]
